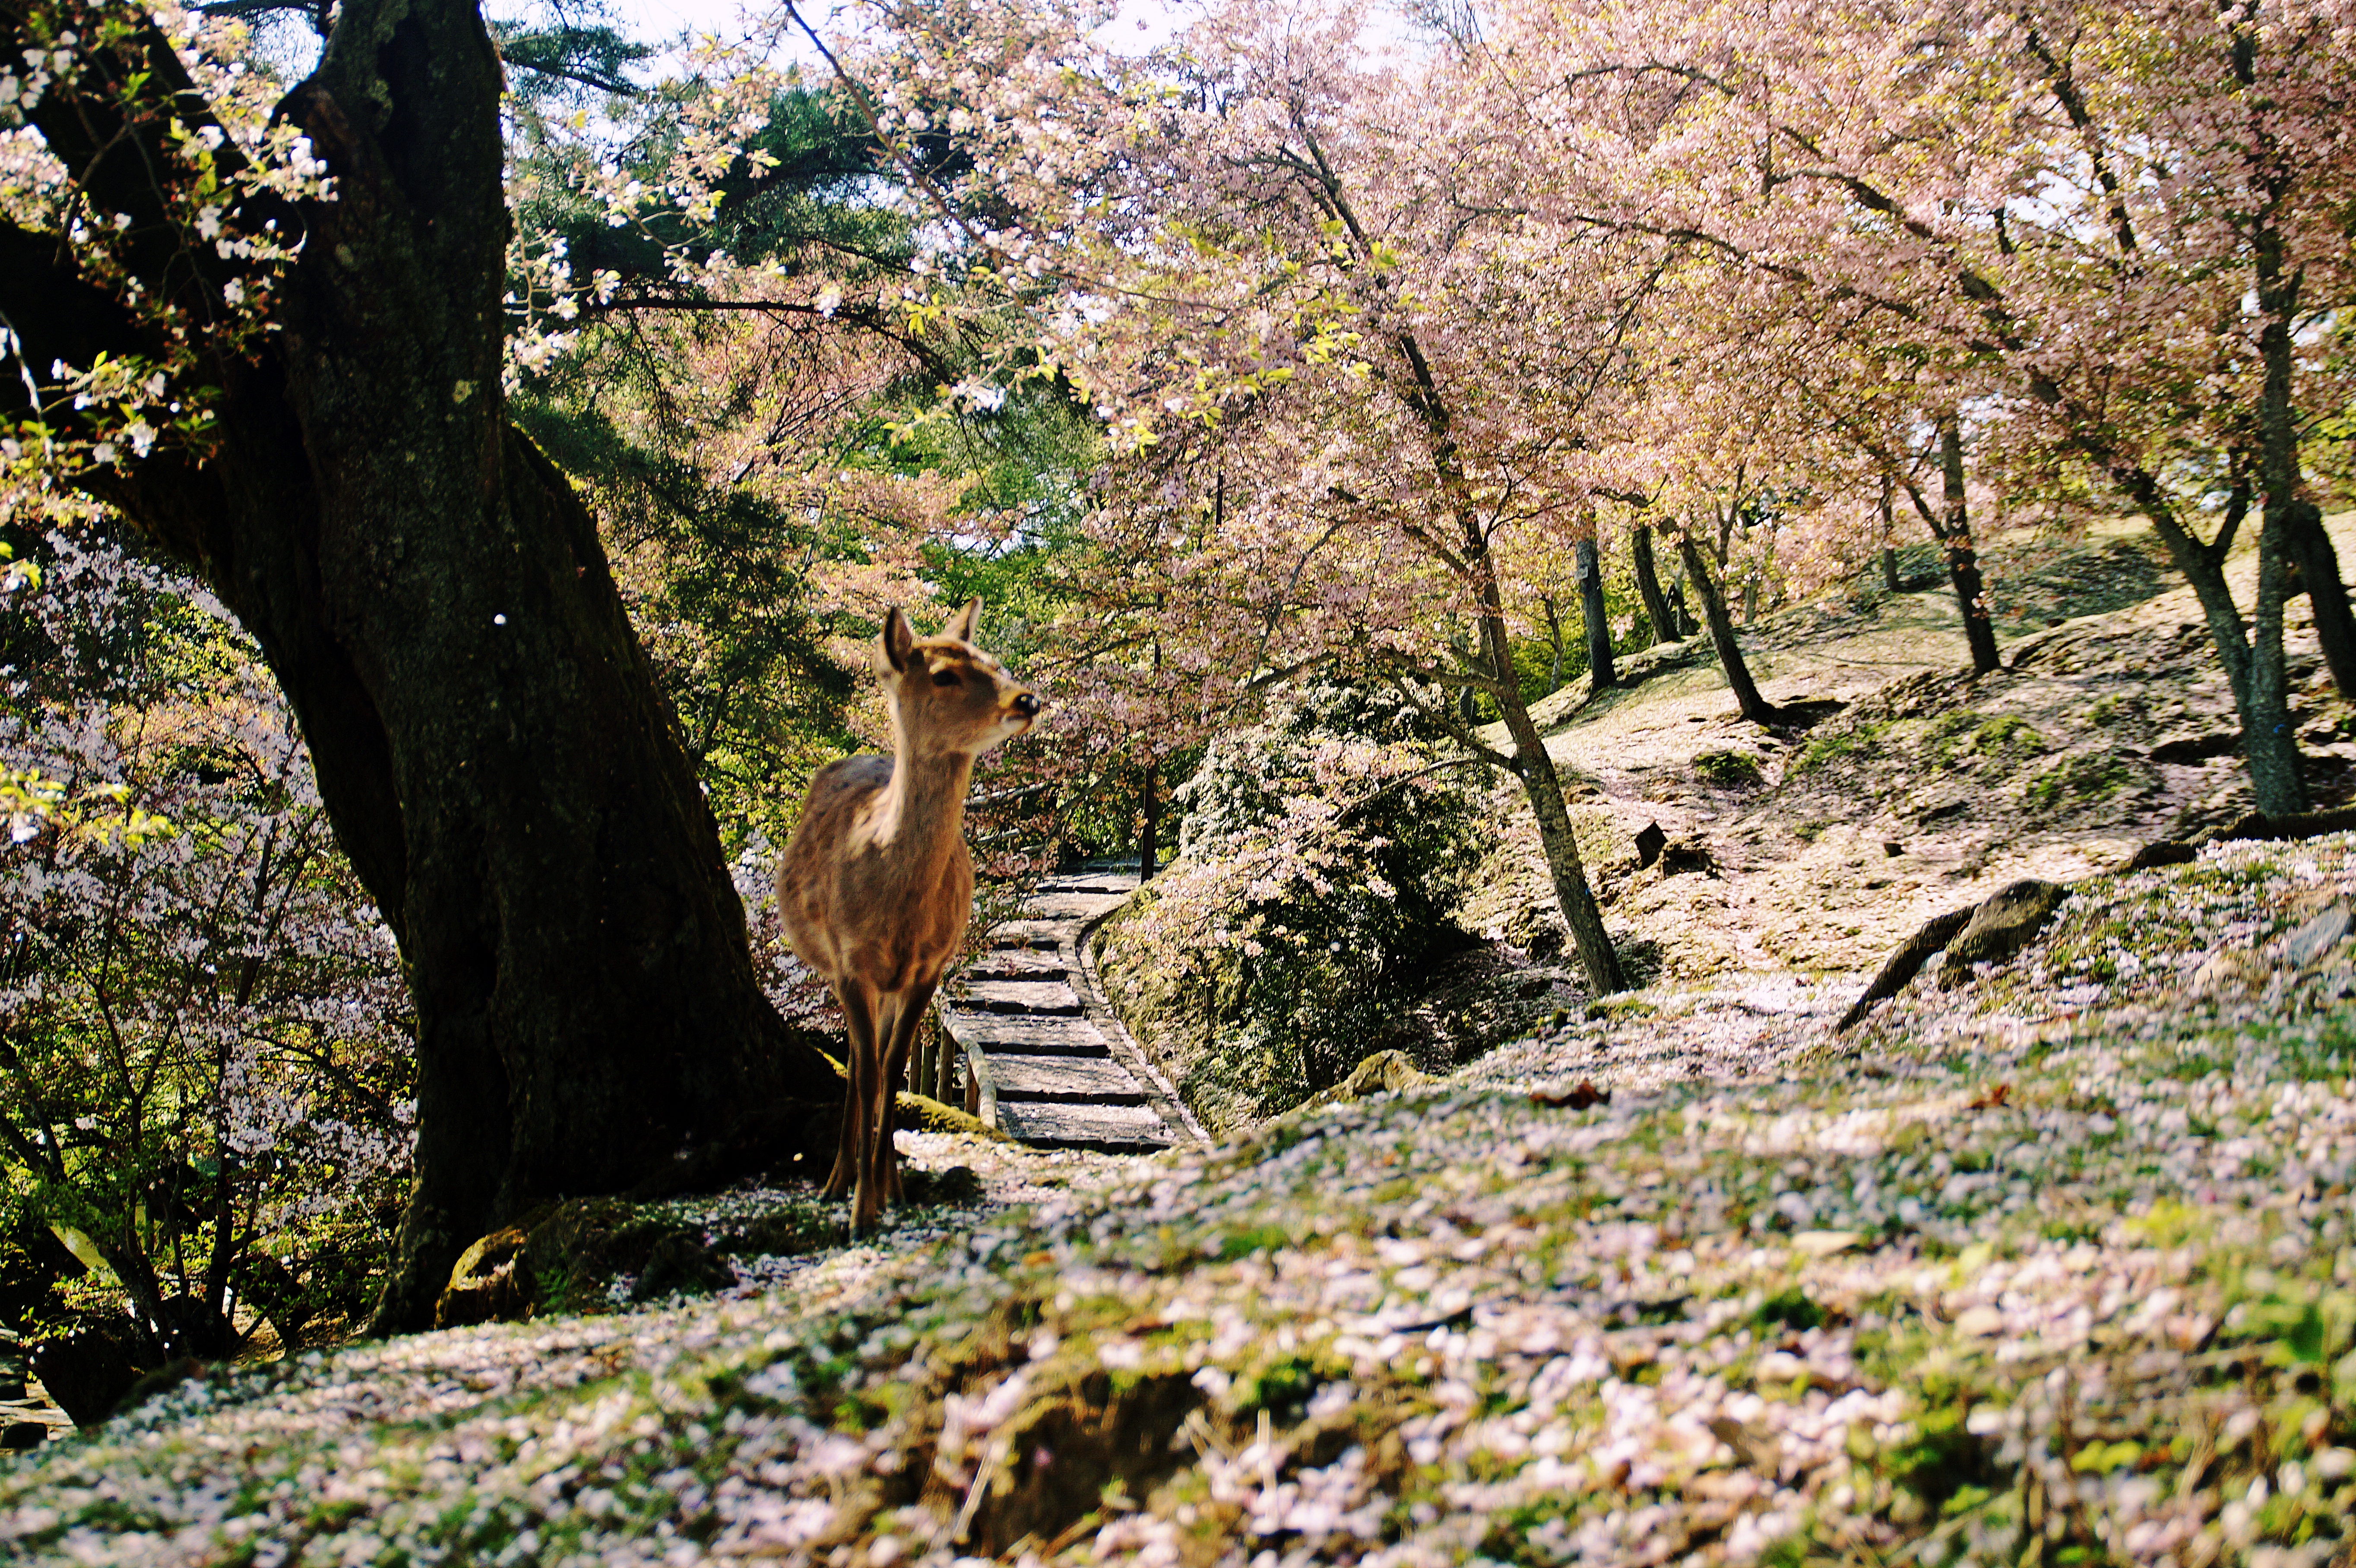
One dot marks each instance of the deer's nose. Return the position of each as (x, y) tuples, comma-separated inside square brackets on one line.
[(1027, 705)]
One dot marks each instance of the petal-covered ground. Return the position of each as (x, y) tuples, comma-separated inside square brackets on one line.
[(2052, 1268)]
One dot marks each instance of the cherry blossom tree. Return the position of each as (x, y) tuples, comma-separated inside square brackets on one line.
[(1346, 383), (2123, 218), (205, 1041)]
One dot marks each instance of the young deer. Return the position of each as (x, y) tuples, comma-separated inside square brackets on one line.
[(876, 885)]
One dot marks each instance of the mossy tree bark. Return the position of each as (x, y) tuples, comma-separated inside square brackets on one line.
[(434, 599)]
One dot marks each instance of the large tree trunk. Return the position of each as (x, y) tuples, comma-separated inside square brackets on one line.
[(1600, 670), (433, 597), (1755, 708), (1666, 626), (1962, 561)]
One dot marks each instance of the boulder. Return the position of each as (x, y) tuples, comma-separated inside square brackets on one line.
[(2232, 971), (1384, 1073), (957, 1187), (679, 1265), (2000, 927), (2316, 938), (1681, 857), (491, 1283), (1986, 932)]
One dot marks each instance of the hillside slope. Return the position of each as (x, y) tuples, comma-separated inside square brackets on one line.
[(1931, 788), (2049, 1265), (2054, 1269)]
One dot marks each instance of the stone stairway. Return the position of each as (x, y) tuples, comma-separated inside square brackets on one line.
[(1049, 1065)]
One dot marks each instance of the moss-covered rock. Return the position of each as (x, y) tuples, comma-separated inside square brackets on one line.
[(2001, 926), (1322, 855)]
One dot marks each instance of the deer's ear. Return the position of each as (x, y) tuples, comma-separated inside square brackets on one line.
[(965, 622), (899, 640)]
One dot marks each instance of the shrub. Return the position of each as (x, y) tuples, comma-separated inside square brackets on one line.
[(205, 1083), (1322, 855)]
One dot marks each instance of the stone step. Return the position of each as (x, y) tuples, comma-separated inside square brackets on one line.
[(1113, 883), (1016, 963), (1067, 907), (1032, 935), (1071, 1081), (1007, 1034), (1038, 998), (1117, 1129)]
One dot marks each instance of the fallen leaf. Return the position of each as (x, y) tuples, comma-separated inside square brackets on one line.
[(1753, 1448), (1992, 1099), (1979, 1322), (1582, 1095), (1825, 1243)]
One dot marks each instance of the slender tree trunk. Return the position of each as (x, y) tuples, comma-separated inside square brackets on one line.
[(1890, 533), (1477, 574), (1601, 671), (1686, 625), (434, 599), (1581, 915), (1554, 635), (1468, 701), (1148, 840), (2274, 768), (2267, 744), (2319, 575), (1962, 560), (1754, 707), (2288, 522), (1665, 620)]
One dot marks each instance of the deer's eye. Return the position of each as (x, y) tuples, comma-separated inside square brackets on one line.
[(945, 678)]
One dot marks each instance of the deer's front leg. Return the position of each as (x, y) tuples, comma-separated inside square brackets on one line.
[(905, 1015), (861, 1091)]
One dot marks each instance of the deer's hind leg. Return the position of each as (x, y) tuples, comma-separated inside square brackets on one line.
[(863, 1066), (904, 1015)]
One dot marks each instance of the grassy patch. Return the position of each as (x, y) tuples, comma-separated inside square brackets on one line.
[(2085, 777), (1841, 740), (1969, 733), (1728, 769)]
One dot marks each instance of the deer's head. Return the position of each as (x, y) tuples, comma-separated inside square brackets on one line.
[(947, 695)]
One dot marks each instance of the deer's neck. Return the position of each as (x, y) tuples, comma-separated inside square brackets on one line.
[(920, 817)]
